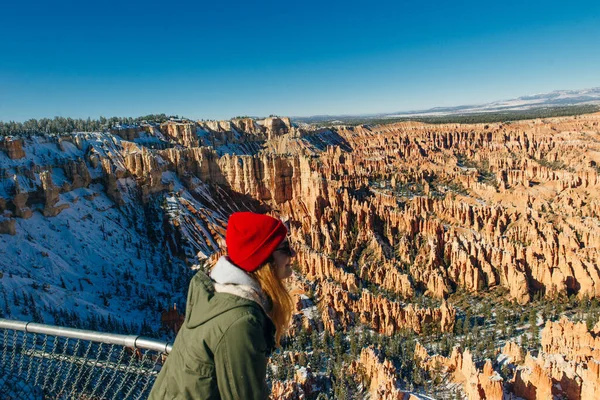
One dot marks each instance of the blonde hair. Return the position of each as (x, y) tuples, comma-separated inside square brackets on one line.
[(283, 305)]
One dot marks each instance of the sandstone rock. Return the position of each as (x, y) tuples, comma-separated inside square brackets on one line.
[(78, 173), (19, 200), (571, 340), (147, 169), (51, 195), (514, 352), (7, 225), (381, 375), (315, 266), (248, 125), (477, 384), (590, 387), (127, 132), (532, 382), (111, 174), (567, 366), (183, 132), (299, 388), (13, 147), (276, 126), (383, 315)]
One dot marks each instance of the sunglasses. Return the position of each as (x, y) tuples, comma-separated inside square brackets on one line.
[(284, 247)]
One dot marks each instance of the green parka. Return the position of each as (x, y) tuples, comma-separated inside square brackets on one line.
[(221, 350)]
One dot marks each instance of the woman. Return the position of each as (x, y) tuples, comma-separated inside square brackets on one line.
[(234, 318)]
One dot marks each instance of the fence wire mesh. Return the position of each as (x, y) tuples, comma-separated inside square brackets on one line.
[(50, 366)]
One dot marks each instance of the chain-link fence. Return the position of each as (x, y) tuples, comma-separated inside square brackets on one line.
[(49, 362)]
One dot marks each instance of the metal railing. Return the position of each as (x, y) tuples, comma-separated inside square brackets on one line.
[(50, 362)]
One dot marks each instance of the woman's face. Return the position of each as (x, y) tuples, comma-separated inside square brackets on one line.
[(282, 258)]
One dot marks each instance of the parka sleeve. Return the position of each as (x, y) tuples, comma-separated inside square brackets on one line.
[(241, 361)]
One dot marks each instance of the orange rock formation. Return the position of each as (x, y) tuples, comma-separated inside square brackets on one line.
[(297, 388), (380, 375), (477, 384), (341, 309), (567, 365)]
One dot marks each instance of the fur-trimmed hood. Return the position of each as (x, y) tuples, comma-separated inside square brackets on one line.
[(230, 279)]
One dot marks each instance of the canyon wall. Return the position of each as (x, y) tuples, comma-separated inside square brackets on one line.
[(391, 224)]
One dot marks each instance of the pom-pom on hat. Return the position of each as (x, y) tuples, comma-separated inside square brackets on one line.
[(252, 238)]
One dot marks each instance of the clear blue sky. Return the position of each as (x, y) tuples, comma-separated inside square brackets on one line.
[(220, 59)]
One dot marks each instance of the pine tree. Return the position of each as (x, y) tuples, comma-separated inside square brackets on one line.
[(467, 323), (326, 339), (338, 347), (302, 339), (315, 340), (533, 328), (501, 321), (590, 320), (354, 349)]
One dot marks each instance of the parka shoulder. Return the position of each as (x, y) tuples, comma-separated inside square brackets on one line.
[(224, 336)]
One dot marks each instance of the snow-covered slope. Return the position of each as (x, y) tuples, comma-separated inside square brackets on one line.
[(553, 99), (558, 98), (99, 263), (92, 260)]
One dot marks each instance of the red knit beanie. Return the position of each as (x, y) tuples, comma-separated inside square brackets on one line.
[(252, 238)]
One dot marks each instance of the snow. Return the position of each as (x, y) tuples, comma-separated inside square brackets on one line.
[(58, 177), (95, 258), (302, 373), (184, 210), (556, 98), (420, 396), (72, 248)]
